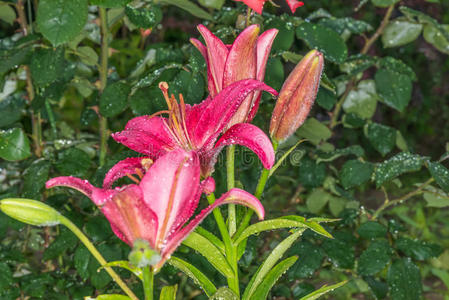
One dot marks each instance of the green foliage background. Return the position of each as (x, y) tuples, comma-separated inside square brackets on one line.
[(375, 158)]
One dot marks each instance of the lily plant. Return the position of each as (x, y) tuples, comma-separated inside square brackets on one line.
[(155, 211)]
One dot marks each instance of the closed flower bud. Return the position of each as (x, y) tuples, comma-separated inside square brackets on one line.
[(30, 212), (297, 96)]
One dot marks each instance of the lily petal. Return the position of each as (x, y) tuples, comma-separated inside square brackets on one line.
[(121, 169), (235, 196), (171, 188), (250, 136), (294, 4), (130, 217), (147, 135), (220, 109), (256, 5), (217, 52), (264, 44), (98, 196)]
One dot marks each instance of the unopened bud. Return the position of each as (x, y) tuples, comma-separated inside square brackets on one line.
[(297, 96), (30, 211)]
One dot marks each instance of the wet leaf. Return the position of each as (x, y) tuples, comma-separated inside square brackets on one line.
[(399, 164), (418, 250), (73, 161), (404, 280), (440, 174), (47, 65), (395, 89), (355, 173), (144, 17), (371, 229), (14, 144), (381, 137), (400, 32), (114, 99), (374, 258), (362, 100), (310, 258)]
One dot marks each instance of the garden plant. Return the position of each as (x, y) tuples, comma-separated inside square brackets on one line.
[(211, 149)]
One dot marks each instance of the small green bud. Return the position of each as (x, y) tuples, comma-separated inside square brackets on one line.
[(142, 255), (30, 211)]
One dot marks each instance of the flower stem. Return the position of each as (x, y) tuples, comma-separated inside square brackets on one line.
[(230, 163), (230, 249), (148, 279), (64, 221), (248, 16), (103, 81), (258, 194)]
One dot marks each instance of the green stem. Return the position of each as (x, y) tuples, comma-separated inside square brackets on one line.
[(231, 253), (389, 203), (148, 280), (258, 194), (104, 134), (230, 164), (51, 118), (97, 255)]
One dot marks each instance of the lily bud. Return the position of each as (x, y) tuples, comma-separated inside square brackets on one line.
[(297, 96), (30, 211)]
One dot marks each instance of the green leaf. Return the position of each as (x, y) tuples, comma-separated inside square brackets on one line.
[(216, 4), (110, 3), (396, 65), (310, 258), (379, 288), (64, 241), (395, 89), (418, 250), (196, 275), (168, 292), (384, 3), (74, 162), (285, 155), (269, 263), (81, 260), (207, 249), (284, 222), (432, 35), (5, 277), (440, 174), (14, 144), (61, 21), (374, 258), (98, 229), (356, 64), (11, 110), (124, 264), (404, 280), (286, 35), (87, 55), (211, 237), (341, 25), (224, 293), (324, 39), (371, 229), (362, 100), (274, 75), (317, 200), (399, 164), (355, 173), (311, 174), (400, 32), (188, 6), (322, 291), (312, 223), (333, 155), (381, 137), (109, 297), (272, 276), (340, 252), (144, 17), (34, 178), (314, 131), (326, 99), (424, 19), (114, 99), (47, 65), (190, 85), (7, 13), (436, 199)]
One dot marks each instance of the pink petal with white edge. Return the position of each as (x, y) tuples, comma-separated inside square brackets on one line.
[(171, 188), (147, 135), (220, 109), (294, 4), (217, 52), (121, 169), (252, 137), (130, 217), (235, 196)]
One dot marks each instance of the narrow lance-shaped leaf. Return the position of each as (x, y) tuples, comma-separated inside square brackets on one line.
[(323, 290), (196, 275)]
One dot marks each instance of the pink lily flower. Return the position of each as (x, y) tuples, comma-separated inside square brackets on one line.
[(196, 128), (246, 58), (157, 207), (257, 5)]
